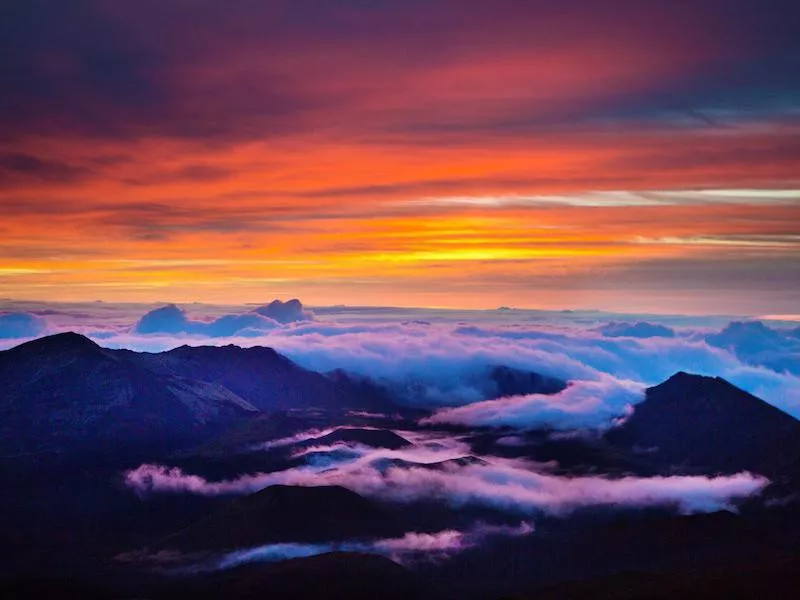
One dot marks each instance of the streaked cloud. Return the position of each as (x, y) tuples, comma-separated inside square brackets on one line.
[(449, 154)]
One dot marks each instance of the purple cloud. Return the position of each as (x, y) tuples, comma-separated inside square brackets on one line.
[(444, 363), (583, 404), (511, 485)]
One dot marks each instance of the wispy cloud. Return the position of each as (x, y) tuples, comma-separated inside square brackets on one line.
[(508, 485)]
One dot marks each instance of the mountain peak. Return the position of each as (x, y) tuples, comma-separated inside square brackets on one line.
[(691, 385), (285, 513), (684, 377), (700, 421), (701, 392), (296, 495), (68, 341)]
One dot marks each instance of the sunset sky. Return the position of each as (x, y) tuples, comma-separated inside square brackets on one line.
[(615, 154)]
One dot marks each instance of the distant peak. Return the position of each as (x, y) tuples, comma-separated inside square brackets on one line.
[(682, 382), (701, 388), (684, 377), (71, 337), (297, 495), (306, 490), (69, 340)]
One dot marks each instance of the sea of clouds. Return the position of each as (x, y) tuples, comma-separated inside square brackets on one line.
[(443, 356), (439, 360)]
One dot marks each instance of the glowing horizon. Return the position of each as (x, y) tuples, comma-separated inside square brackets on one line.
[(625, 156)]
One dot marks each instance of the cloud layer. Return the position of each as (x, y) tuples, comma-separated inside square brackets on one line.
[(582, 405), (410, 547), (428, 471), (442, 359)]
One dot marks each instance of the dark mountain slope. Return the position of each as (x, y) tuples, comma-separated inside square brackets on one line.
[(492, 382), (756, 579), (282, 513), (506, 381), (375, 438), (706, 423), (331, 576), (262, 376), (336, 576), (66, 392)]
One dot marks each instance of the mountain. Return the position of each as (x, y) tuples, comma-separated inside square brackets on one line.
[(752, 579), (329, 576), (282, 513), (706, 423), (374, 438), (332, 576), (506, 381), (384, 464), (66, 392), (493, 382), (262, 376), (358, 386)]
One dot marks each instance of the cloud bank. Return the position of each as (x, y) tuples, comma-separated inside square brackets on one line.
[(411, 547), (640, 329), (756, 344), (429, 470), (582, 405), (441, 359)]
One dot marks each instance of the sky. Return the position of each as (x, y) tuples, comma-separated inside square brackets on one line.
[(620, 155)]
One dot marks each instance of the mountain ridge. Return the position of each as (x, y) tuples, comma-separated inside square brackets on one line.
[(286, 513), (700, 422), (66, 392)]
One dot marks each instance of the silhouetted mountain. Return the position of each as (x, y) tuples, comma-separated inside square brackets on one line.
[(61, 588), (375, 438), (282, 513), (244, 435), (265, 378), (332, 576), (384, 464), (358, 386), (493, 382), (706, 423), (570, 455), (774, 578), (65, 391), (515, 382)]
